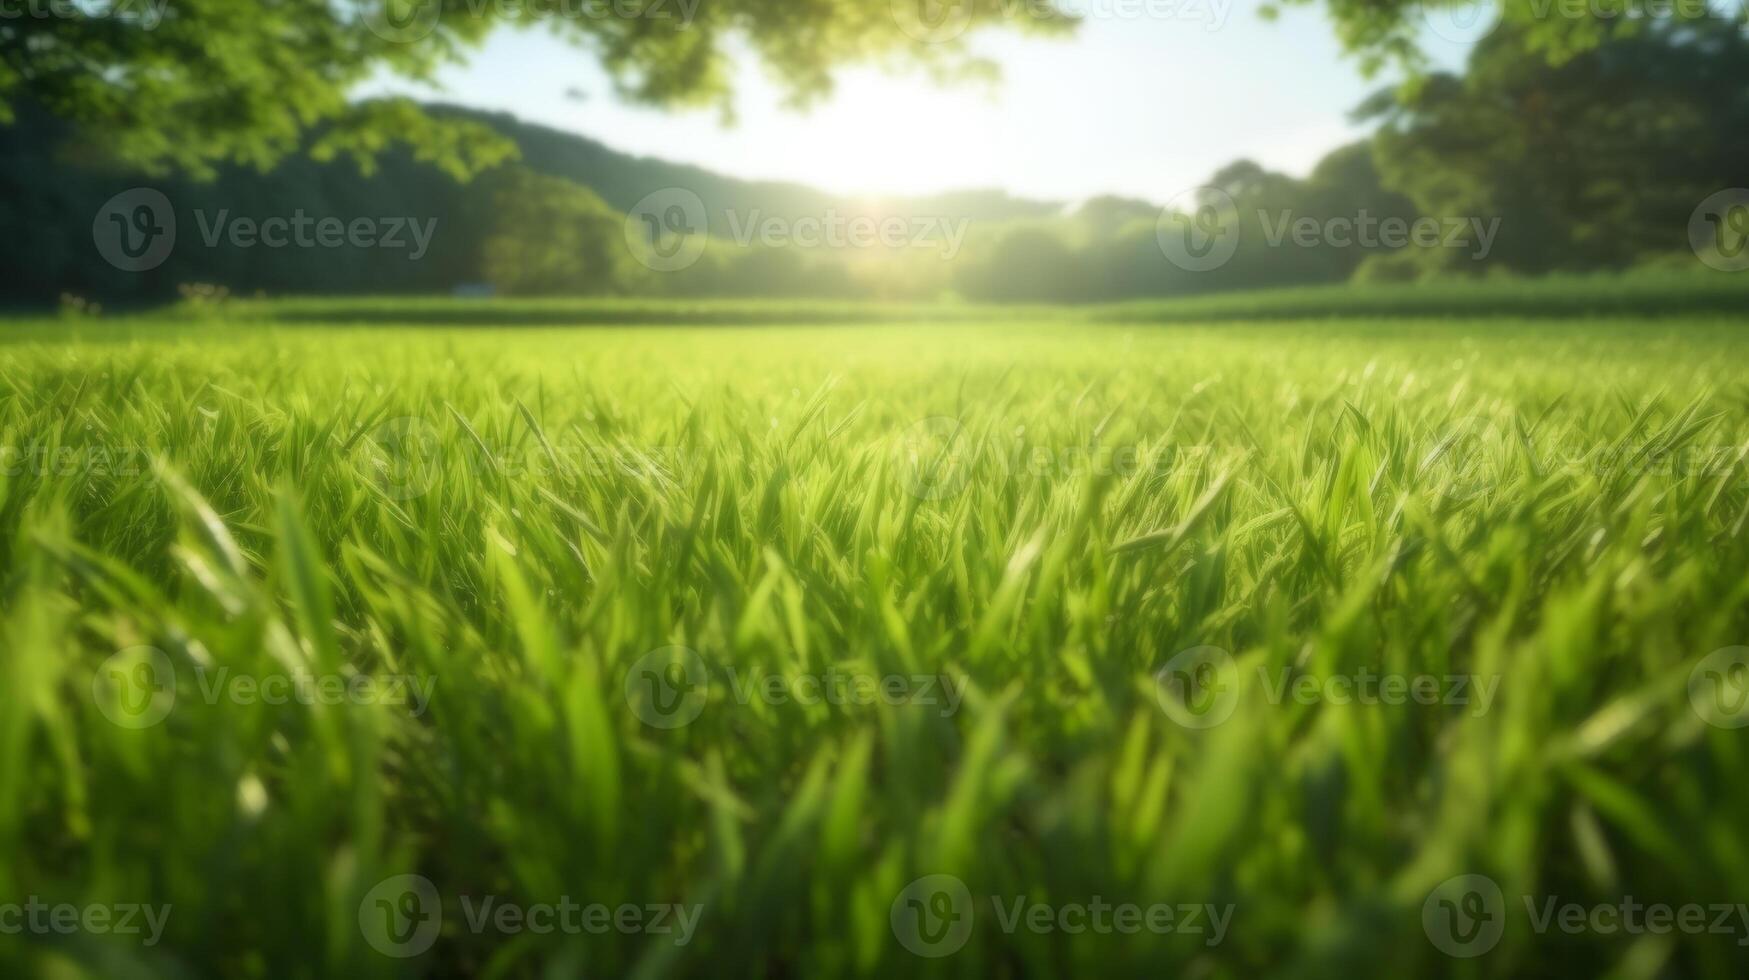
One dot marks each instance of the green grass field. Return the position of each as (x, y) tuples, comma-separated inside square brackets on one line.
[(380, 650)]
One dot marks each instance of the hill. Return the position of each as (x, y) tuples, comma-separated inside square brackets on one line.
[(622, 179), (51, 227)]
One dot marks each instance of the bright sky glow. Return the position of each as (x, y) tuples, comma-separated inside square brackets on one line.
[(1134, 105)]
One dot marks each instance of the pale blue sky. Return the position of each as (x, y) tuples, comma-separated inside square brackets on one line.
[(1129, 105)]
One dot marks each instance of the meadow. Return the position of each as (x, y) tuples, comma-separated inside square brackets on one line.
[(1023, 643)]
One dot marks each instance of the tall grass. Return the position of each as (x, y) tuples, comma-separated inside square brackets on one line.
[(553, 527)]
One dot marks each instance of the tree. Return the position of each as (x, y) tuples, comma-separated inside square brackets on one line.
[(1595, 163), (1102, 218), (184, 84), (551, 236), (1029, 263), (1388, 32)]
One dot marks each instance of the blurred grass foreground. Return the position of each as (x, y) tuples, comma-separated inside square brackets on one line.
[(1029, 646)]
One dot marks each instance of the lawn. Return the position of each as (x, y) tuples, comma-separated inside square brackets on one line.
[(1033, 643)]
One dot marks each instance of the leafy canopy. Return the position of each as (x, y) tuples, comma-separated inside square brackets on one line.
[(1594, 163), (183, 84), (186, 83), (1388, 32)]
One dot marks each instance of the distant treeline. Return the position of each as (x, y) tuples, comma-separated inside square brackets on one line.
[(1517, 167)]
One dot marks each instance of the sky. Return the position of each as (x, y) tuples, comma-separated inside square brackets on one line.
[(1142, 106)]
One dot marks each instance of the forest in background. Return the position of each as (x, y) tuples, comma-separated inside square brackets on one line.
[(1593, 163)]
